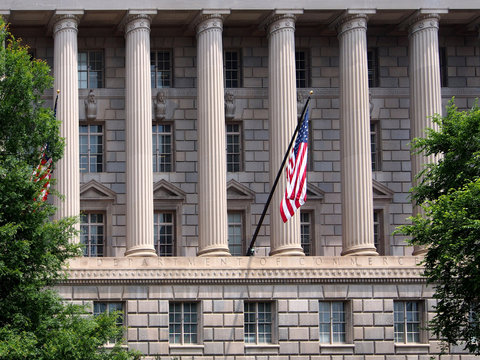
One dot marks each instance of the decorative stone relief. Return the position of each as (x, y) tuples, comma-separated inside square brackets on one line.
[(160, 106), (91, 106), (301, 97), (229, 106)]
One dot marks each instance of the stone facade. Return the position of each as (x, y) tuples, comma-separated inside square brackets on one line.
[(294, 287)]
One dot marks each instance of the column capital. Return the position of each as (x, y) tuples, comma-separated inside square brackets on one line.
[(137, 21), (66, 20), (210, 20), (351, 21), (280, 20), (423, 21)]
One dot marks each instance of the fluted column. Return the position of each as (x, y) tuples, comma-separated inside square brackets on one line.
[(282, 97), (357, 196), (425, 88), (67, 169), (138, 123), (212, 172)]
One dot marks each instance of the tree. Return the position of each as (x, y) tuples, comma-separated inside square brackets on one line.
[(34, 321), (449, 193)]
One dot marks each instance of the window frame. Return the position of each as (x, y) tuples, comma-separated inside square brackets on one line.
[(123, 316), (443, 64), (242, 231), (158, 154), (373, 67), (421, 322), (238, 70), (311, 214), (240, 144), (87, 71), (347, 323), (88, 124), (154, 74), (182, 323), (305, 70), (376, 157), (273, 323), (173, 226), (88, 245)]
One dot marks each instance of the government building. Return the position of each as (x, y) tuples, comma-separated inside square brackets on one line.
[(177, 116)]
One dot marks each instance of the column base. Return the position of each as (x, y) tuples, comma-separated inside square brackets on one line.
[(419, 250), (360, 251), (287, 251), (141, 251), (214, 252)]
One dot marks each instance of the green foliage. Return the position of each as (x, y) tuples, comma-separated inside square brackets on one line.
[(449, 193), (34, 322)]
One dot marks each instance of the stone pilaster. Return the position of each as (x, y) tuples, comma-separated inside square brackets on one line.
[(212, 172), (67, 169), (425, 87), (357, 196), (138, 125), (282, 97)]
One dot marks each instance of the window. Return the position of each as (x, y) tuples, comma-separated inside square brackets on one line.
[(372, 63), (235, 233), (301, 68), (232, 66), (306, 232), (378, 231), (161, 68), (258, 322), (164, 233), (100, 307), (407, 321), (374, 143), (90, 69), (443, 67), (162, 135), (183, 323), (234, 148), (332, 322), (91, 148), (92, 234)]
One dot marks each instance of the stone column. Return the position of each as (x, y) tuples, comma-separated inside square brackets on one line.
[(212, 172), (138, 125), (282, 97), (65, 69), (357, 195), (425, 88)]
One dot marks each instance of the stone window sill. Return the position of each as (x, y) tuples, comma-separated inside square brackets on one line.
[(337, 348), (412, 348), (262, 348), (186, 349)]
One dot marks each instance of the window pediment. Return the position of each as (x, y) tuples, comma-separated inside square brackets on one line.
[(237, 191), (95, 191), (163, 190), (314, 192), (381, 192)]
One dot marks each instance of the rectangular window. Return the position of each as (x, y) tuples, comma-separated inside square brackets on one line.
[(183, 323), (301, 68), (90, 69), (232, 66), (372, 62), (407, 321), (443, 67), (100, 307), (306, 232), (374, 143), (91, 148), (162, 143), (235, 233), (332, 322), (164, 233), (258, 322), (234, 147), (161, 68), (92, 234), (378, 231)]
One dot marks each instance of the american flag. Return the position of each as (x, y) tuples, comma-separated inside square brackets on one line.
[(296, 191), (43, 172)]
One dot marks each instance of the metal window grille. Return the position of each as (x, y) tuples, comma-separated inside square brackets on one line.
[(162, 136), (235, 233), (234, 149), (306, 232), (258, 322), (91, 148), (301, 68), (90, 69), (372, 63), (407, 321), (374, 144), (332, 322), (232, 68), (164, 233), (92, 234), (183, 323), (161, 68)]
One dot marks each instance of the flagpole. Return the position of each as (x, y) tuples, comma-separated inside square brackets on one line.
[(250, 251)]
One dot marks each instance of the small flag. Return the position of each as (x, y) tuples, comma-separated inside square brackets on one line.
[(43, 172), (296, 191)]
